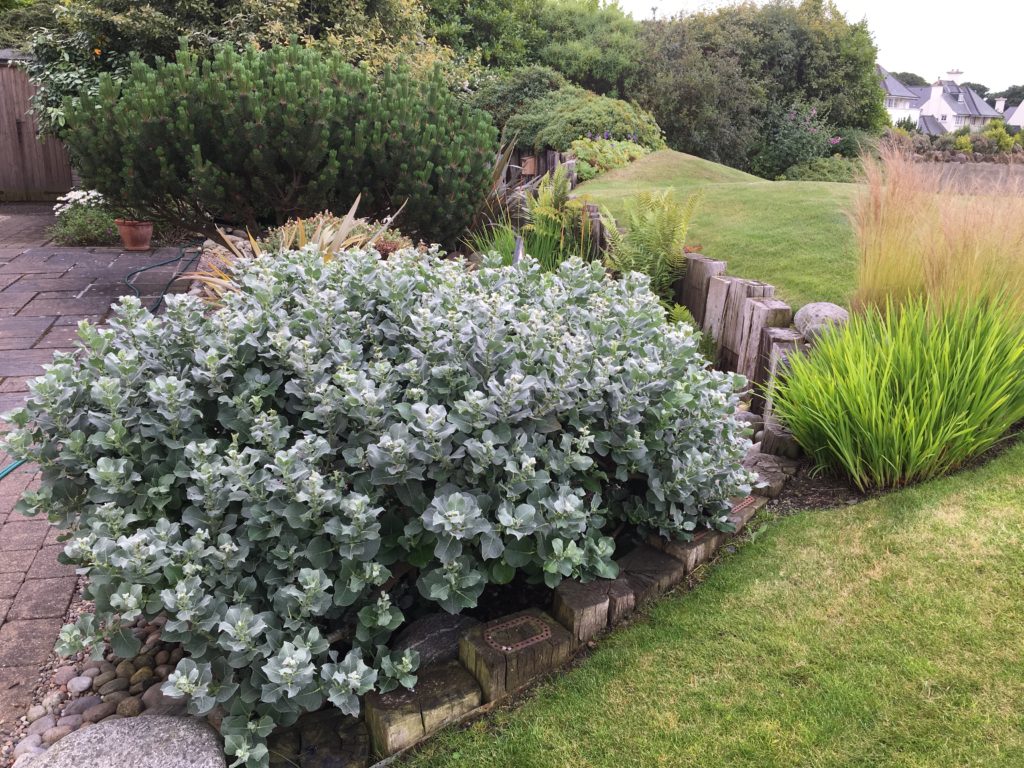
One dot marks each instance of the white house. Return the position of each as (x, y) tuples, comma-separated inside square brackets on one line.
[(942, 107), (1014, 116), (899, 99)]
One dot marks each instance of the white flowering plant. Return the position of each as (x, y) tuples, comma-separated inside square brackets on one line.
[(79, 198), (269, 474)]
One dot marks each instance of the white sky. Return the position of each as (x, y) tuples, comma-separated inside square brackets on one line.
[(979, 37)]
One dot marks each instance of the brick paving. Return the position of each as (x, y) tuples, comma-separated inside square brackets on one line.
[(44, 292)]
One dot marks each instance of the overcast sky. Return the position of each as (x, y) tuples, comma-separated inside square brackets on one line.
[(980, 37)]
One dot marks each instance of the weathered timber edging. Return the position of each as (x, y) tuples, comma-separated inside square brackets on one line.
[(504, 656)]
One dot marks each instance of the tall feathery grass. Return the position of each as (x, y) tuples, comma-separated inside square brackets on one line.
[(907, 393), (940, 231)]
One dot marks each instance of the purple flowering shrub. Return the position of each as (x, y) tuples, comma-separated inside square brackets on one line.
[(795, 136)]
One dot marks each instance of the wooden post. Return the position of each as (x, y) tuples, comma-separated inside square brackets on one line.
[(783, 339), (597, 235), (693, 291), (714, 309), (732, 325), (757, 315)]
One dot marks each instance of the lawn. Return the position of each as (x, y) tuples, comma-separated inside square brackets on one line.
[(793, 234), (882, 634)]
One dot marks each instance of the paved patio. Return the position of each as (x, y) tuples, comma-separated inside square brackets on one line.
[(44, 292)]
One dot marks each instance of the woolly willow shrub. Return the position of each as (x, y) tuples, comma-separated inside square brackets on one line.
[(274, 474), (938, 231), (908, 393)]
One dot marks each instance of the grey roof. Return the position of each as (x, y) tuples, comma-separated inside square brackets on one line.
[(12, 54), (971, 106), (892, 86), (930, 125), (1008, 112)]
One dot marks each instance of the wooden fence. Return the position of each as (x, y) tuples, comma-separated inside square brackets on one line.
[(30, 169)]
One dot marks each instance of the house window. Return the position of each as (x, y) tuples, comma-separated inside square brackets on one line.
[(959, 120), (943, 118)]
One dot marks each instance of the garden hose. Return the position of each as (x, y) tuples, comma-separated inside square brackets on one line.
[(156, 305)]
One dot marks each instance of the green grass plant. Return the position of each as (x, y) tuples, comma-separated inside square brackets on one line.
[(907, 393), (880, 635)]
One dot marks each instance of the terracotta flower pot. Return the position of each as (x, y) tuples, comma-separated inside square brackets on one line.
[(135, 235)]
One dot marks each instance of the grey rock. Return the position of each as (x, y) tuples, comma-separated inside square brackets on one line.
[(53, 700), (71, 721), (435, 636), (44, 723), (117, 696), (79, 684), (102, 679), (97, 713), (753, 420), (162, 657), (141, 675), (23, 760), (55, 734), (163, 671), (117, 684), (130, 707), (64, 674), (29, 744), (147, 742), (35, 712), (158, 704), (78, 706), (125, 669), (814, 319)]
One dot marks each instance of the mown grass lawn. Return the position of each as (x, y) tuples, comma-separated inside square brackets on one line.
[(793, 234), (889, 633)]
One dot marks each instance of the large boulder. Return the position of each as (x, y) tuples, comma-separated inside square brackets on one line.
[(814, 319), (142, 742)]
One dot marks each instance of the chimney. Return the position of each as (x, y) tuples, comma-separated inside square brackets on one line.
[(1000, 105)]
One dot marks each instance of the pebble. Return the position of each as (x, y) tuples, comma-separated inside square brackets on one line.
[(159, 704), (44, 723), (177, 655), (71, 721), (102, 679), (143, 660), (91, 672), (35, 712), (53, 700), (100, 711), (162, 658), (30, 743), (125, 669), (64, 674), (55, 734), (79, 706), (79, 684), (116, 697), (130, 707), (141, 675), (164, 671), (118, 684)]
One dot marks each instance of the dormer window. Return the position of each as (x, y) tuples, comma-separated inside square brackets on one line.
[(960, 98)]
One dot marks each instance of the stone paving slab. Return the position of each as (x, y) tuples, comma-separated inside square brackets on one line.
[(44, 293)]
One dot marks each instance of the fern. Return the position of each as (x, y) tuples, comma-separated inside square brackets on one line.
[(656, 227)]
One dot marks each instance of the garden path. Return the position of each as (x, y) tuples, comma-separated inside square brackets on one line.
[(44, 292)]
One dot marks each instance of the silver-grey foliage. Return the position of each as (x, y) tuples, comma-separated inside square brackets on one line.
[(264, 473)]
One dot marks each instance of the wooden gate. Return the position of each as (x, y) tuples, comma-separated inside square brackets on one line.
[(30, 169)]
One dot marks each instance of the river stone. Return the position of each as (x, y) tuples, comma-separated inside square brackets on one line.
[(31, 743), (64, 674), (92, 672), (141, 675), (115, 685), (435, 636), (35, 712), (163, 671), (53, 700), (102, 679), (55, 734), (149, 742), (71, 721), (125, 669), (79, 706), (43, 724), (814, 318), (79, 684), (97, 713), (116, 697), (159, 704), (130, 707), (162, 657)]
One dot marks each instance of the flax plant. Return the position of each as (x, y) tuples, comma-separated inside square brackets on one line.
[(907, 393)]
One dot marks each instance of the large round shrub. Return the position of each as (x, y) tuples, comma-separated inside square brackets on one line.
[(259, 137), (341, 434), (504, 93), (555, 121)]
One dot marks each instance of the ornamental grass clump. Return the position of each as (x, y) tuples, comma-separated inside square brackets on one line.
[(907, 393), (277, 474)]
